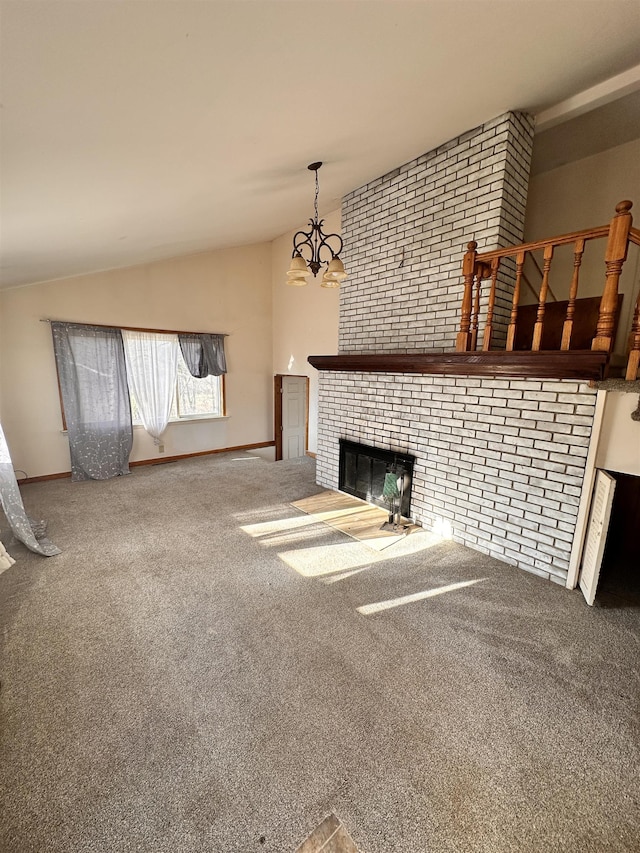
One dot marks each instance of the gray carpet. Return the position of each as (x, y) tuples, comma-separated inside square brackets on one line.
[(171, 684)]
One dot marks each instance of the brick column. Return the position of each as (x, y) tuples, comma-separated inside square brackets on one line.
[(405, 236)]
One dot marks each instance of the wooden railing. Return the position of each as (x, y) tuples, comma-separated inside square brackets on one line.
[(479, 267)]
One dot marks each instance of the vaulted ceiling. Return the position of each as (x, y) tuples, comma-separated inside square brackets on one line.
[(135, 131)]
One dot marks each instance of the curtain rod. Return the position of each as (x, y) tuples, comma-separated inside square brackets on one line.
[(136, 328)]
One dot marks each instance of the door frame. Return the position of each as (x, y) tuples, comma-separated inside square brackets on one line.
[(575, 560), (277, 411), (597, 533)]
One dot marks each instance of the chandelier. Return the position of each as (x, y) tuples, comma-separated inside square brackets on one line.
[(313, 249)]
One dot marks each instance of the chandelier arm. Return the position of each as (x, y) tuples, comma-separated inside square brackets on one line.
[(317, 235), (299, 243), (325, 242)]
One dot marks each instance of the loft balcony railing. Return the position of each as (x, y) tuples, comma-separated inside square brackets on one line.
[(497, 266)]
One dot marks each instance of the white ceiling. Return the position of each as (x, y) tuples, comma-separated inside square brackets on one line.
[(135, 131)]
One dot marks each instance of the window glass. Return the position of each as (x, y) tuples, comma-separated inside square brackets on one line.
[(197, 396), (192, 398)]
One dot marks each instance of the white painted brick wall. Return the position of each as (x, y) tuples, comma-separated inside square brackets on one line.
[(502, 460), (405, 235)]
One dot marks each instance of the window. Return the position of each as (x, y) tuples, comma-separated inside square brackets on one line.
[(193, 398)]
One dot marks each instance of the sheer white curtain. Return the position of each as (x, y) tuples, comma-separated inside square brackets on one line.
[(152, 363)]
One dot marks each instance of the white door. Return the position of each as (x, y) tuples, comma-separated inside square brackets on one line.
[(294, 416), (596, 534)]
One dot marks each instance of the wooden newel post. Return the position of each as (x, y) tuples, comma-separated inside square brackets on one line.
[(463, 341), (615, 257)]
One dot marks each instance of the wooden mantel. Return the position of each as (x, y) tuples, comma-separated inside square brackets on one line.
[(573, 364)]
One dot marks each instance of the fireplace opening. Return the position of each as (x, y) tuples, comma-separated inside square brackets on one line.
[(362, 472)]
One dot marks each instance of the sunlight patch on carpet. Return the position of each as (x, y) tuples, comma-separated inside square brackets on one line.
[(319, 560), (300, 537), (278, 525), (368, 609), (313, 561), (356, 518), (342, 576)]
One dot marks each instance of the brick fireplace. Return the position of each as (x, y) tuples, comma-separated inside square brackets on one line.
[(500, 460)]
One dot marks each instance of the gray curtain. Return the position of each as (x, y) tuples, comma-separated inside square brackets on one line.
[(203, 354), (11, 501), (93, 383)]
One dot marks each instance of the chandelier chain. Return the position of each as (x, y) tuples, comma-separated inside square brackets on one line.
[(315, 203)]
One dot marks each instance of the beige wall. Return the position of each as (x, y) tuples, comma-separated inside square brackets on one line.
[(580, 195), (619, 443), (223, 291), (305, 321)]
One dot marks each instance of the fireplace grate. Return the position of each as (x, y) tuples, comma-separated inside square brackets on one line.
[(362, 470)]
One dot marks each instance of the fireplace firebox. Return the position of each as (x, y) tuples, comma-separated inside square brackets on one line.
[(362, 471)]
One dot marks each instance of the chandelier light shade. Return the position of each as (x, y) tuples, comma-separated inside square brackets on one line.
[(314, 249), (334, 273), (298, 271)]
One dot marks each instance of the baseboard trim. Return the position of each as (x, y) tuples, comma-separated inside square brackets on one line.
[(160, 460), (309, 453), (43, 478)]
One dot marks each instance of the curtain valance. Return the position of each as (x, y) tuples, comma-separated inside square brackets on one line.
[(203, 354)]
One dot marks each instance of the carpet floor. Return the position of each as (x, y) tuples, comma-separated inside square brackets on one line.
[(204, 668)]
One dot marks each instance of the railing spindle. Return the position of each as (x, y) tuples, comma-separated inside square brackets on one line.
[(488, 329), (476, 311), (463, 339), (537, 266), (633, 364), (567, 329), (511, 333), (615, 257), (544, 288)]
